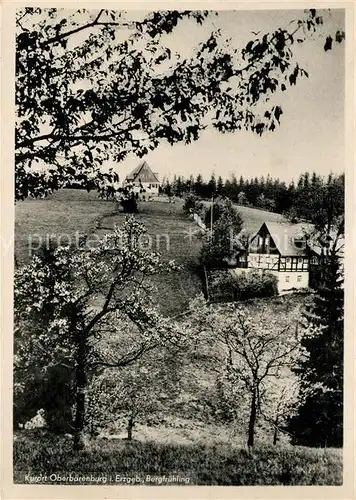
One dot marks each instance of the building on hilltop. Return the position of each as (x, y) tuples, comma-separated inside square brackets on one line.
[(144, 181)]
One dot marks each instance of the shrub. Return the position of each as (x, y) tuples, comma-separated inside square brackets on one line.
[(253, 284), (190, 204), (247, 285), (51, 391)]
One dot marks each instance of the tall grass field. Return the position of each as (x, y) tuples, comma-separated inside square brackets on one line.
[(195, 464)]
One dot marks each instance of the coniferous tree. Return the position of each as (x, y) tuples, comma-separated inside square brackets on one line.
[(220, 187), (319, 420), (234, 188), (177, 186), (167, 188), (198, 185), (211, 186), (227, 188), (190, 184)]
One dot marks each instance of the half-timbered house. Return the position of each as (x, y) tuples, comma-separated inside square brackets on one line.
[(283, 250)]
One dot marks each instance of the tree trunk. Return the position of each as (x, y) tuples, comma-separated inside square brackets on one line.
[(252, 422), (130, 425), (275, 435), (80, 398)]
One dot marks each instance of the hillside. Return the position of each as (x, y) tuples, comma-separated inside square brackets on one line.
[(253, 218), (62, 214), (69, 212)]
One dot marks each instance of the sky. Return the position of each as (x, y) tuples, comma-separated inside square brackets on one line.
[(311, 134)]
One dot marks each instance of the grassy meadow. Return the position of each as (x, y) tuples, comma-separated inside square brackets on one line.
[(171, 233), (203, 462), (176, 237), (61, 214), (253, 218)]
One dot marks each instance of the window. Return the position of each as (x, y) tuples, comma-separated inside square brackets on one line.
[(299, 278), (300, 260), (287, 279), (314, 260), (288, 260)]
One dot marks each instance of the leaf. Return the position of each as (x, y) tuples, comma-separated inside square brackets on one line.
[(328, 43), (292, 79), (339, 36), (249, 46), (278, 112)]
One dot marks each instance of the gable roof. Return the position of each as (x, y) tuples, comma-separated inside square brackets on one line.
[(143, 173), (284, 236)]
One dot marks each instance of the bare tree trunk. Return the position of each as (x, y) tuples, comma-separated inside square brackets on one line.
[(130, 425), (252, 422), (275, 435), (80, 398)]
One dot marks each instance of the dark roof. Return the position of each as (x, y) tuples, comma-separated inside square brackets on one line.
[(143, 173)]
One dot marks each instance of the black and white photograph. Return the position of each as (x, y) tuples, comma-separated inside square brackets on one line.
[(179, 246)]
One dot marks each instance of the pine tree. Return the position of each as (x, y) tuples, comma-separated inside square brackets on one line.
[(320, 415), (177, 186), (198, 185), (220, 187), (234, 188), (211, 187)]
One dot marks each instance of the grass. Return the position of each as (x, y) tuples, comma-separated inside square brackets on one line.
[(204, 464), (68, 211), (61, 214), (253, 218), (175, 237), (172, 234)]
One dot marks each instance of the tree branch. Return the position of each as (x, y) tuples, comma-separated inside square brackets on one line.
[(127, 359), (57, 38)]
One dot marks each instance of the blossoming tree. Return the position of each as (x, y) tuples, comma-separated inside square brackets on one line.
[(89, 308), (253, 352)]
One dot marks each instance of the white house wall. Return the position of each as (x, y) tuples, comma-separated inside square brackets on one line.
[(148, 191), (286, 280)]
